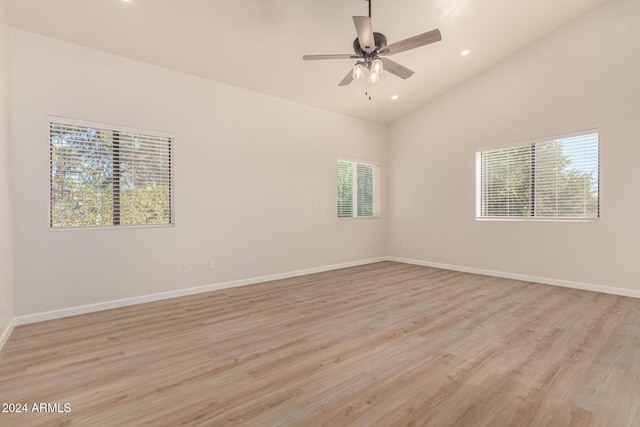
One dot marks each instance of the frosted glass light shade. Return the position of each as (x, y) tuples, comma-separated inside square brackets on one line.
[(358, 71), (377, 66)]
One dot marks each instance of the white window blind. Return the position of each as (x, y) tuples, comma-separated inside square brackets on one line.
[(103, 175), (557, 178), (358, 189)]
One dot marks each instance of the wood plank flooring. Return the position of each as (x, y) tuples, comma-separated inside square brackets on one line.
[(386, 344)]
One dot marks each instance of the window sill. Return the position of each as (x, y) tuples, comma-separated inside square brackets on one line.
[(359, 217), (109, 227), (517, 219)]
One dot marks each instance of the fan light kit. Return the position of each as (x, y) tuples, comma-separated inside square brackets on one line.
[(371, 50)]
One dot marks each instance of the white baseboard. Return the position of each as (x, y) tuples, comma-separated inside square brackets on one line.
[(4, 337), (89, 308), (523, 277)]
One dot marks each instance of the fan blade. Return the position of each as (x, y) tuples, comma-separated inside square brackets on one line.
[(365, 33), (338, 56), (396, 69), (412, 42), (347, 79)]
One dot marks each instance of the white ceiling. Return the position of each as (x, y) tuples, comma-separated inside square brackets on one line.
[(258, 44)]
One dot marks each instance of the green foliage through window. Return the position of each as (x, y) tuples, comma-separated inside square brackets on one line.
[(551, 179), (358, 189), (107, 177)]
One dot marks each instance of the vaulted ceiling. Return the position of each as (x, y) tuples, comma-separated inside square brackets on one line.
[(258, 44)]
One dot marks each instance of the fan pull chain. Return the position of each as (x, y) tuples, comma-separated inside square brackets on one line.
[(367, 91)]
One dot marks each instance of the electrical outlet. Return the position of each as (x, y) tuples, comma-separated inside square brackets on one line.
[(554, 260), (185, 267), (212, 264)]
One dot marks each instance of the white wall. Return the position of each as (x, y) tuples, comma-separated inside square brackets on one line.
[(583, 76), (255, 175), (254, 180), (6, 227)]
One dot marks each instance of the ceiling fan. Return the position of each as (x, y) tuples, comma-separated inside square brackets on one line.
[(371, 51)]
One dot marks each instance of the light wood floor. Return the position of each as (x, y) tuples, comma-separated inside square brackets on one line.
[(384, 344)]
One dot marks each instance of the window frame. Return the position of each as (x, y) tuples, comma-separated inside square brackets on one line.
[(377, 190), (532, 143), (119, 129)]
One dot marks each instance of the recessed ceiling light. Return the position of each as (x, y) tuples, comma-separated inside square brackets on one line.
[(465, 52), (394, 97)]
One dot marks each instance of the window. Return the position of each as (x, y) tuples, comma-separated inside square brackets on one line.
[(557, 178), (104, 175), (358, 189)]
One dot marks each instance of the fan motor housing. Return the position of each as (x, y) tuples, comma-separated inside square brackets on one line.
[(380, 40)]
